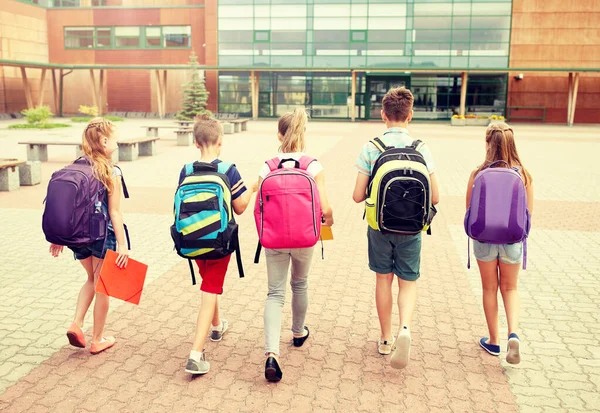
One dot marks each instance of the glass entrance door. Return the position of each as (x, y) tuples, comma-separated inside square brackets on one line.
[(377, 87)]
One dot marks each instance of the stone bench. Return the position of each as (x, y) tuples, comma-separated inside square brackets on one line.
[(184, 137), (152, 131), (228, 128), (131, 149), (240, 124), (9, 174), (38, 150)]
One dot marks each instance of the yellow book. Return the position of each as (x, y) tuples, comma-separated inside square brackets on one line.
[(326, 233)]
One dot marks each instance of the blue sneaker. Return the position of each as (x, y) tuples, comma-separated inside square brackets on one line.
[(512, 353), (493, 349)]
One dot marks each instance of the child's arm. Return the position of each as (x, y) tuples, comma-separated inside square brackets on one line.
[(530, 198), (116, 217), (470, 188), (325, 207), (360, 188), (241, 203), (435, 189)]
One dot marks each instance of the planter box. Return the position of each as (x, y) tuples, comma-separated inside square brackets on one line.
[(458, 122), (477, 122)]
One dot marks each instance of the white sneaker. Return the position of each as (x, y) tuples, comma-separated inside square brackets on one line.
[(217, 335), (401, 349)]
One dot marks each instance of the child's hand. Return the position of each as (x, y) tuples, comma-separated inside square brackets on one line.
[(254, 187), (55, 250), (123, 256), (328, 222)]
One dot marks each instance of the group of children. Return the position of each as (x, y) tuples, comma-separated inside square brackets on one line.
[(391, 255)]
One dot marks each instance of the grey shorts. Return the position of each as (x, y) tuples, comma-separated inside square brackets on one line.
[(507, 253), (400, 254)]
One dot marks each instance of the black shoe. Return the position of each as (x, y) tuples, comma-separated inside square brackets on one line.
[(298, 341), (272, 370)]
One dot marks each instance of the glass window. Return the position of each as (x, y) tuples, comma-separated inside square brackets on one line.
[(79, 37), (103, 37), (67, 3), (153, 37), (359, 36), (433, 22), (177, 36), (279, 36), (127, 37), (99, 3), (261, 36)]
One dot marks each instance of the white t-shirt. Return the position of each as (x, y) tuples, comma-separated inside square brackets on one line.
[(314, 168)]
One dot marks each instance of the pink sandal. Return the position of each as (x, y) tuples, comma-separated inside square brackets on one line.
[(76, 336)]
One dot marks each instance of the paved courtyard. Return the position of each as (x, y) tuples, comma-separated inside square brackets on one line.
[(338, 369)]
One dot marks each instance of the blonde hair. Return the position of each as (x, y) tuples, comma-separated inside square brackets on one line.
[(102, 164), (207, 130), (291, 127), (501, 146)]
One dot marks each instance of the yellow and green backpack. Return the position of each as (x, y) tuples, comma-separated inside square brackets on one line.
[(399, 192)]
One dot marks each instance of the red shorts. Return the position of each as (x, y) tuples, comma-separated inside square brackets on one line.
[(213, 274)]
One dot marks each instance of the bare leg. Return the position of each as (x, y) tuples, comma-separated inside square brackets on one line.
[(86, 294), (384, 302), (101, 304), (509, 275), (407, 300), (489, 281), (216, 320), (205, 317)]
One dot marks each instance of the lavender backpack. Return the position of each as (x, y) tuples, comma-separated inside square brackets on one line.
[(498, 211), (73, 214)]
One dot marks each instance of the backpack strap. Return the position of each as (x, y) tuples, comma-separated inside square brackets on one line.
[(525, 253), (125, 191), (189, 168), (378, 143), (257, 254), (417, 144), (192, 272), (224, 167), (305, 162), (273, 164)]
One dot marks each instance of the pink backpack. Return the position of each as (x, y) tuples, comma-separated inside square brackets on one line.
[(288, 208)]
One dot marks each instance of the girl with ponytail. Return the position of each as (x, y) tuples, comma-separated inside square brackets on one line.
[(99, 141), (499, 263), (291, 136)]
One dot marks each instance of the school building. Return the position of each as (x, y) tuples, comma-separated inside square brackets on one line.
[(538, 60)]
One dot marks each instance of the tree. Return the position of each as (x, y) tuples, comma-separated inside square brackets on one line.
[(195, 94)]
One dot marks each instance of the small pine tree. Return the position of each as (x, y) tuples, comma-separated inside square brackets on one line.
[(195, 94)]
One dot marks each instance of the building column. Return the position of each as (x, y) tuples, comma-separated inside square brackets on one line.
[(463, 93), (55, 91), (573, 88), (42, 84), (353, 98), (27, 88)]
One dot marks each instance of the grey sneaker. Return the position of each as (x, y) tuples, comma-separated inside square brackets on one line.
[(197, 367), (217, 335), (401, 350)]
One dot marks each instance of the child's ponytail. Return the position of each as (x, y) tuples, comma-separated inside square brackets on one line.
[(292, 127)]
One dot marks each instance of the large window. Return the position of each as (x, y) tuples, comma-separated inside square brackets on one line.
[(436, 34), (128, 37)]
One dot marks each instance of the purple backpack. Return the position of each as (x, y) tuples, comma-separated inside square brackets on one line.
[(498, 211), (73, 215)]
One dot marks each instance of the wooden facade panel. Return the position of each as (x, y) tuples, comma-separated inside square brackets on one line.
[(129, 90), (551, 20), (556, 5), (549, 36)]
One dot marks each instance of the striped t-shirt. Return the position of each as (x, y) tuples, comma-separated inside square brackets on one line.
[(235, 180)]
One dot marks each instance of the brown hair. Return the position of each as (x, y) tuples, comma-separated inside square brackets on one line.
[(292, 126), (91, 144), (207, 130), (501, 146), (397, 104)]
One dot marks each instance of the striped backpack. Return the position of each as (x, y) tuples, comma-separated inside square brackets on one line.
[(204, 227), (399, 192)]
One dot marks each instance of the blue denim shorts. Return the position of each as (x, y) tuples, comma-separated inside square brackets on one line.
[(400, 254), (507, 253), (97, 249)]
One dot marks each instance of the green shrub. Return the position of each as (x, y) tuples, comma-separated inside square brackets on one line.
[(39, 126), (36, 115), (87, 119), (88, 110)]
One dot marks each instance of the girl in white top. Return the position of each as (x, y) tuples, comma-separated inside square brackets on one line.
[(291, 130)]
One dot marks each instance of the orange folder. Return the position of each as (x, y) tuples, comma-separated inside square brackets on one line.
[(123, 283), (326, 233)]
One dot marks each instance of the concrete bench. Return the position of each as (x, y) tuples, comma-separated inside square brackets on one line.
[(152, 131), (240, 124), (9, 174), (38, 150), (131, 149), (184, 123), (184, 137), (228, 128)]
